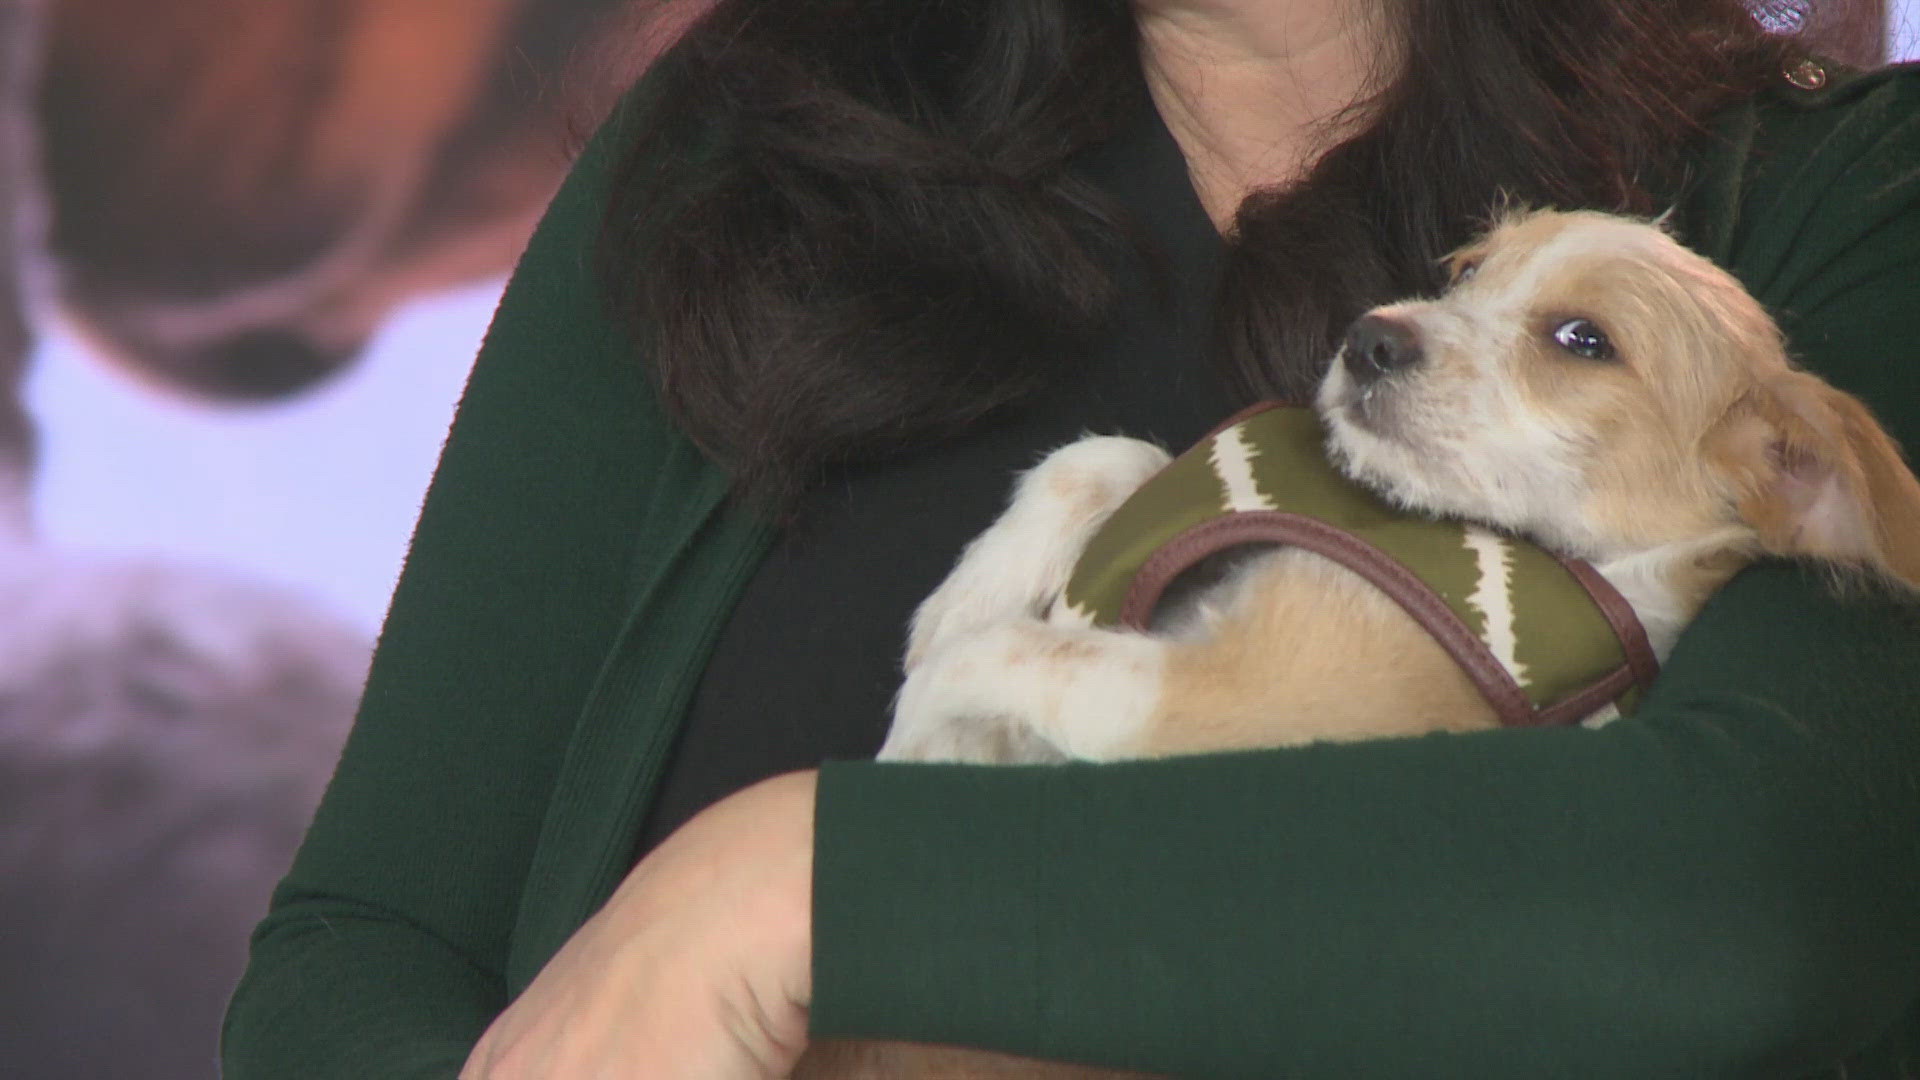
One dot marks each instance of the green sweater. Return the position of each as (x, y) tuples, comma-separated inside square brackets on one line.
[(1727, 883)]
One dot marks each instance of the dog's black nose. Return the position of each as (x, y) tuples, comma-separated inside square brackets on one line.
[(1379, 345)]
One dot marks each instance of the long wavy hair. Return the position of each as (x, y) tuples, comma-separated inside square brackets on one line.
[(846, 227)]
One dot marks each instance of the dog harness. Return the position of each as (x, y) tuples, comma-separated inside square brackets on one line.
[(1547, 640)]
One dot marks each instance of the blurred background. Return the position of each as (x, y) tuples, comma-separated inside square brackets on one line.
[(247, 251)]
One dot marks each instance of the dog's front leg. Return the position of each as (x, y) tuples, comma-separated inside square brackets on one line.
[(1018, 566), (1030, 691)]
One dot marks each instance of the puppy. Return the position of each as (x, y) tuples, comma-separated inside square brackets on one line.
[(1585, 381)]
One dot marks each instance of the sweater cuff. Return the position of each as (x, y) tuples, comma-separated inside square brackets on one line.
[(921, 927)]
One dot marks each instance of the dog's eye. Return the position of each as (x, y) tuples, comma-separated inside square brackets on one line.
[(1582, 338), (1464, 270)]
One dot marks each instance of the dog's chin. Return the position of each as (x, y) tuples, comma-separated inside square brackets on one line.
[(1368, 407), (1371, 443), (1361, 424), (1425, 479), (1371, 410), (1362, 447)]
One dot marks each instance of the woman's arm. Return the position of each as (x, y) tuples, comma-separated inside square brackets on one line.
[(695, 968), (1726, 884), (383, 953)]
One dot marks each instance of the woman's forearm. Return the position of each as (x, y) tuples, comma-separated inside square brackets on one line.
[(339, 990)]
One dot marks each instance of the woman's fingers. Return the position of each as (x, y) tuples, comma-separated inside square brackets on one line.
[(698, 967)]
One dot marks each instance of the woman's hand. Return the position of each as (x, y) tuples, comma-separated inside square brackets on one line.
[(698, 968)]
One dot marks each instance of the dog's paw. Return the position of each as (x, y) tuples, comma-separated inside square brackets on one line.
[(949, 709), (970, 741), (1026, 691), (1018, 566)]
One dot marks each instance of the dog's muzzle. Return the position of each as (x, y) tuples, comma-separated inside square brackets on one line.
[(1379, 345)]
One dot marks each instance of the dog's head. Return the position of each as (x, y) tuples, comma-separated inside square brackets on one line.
[(1587, 380), (240, 194)]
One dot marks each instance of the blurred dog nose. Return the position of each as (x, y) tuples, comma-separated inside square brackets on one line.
[(1379, 345), (255, 365)]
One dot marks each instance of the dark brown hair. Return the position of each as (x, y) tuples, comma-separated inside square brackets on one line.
[(847, 226)]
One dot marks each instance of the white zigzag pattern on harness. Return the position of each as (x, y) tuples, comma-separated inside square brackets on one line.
[(1492, 597)]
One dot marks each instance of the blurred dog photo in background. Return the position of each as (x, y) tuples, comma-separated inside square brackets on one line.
[(226, 199)]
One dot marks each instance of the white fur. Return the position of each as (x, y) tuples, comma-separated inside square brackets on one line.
[(1481, 453), (1644, 578), (1001, 602), (1018, 567), (1025, 690)]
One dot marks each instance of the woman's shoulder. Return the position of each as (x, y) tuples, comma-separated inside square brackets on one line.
[(1820, 133), (1809, 193), (1824, 119), (1813, 84), (1819, 165)]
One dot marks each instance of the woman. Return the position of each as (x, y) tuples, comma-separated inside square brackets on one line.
[(874, 257)]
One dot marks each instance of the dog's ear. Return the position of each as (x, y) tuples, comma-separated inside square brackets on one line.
[(1821, 479)]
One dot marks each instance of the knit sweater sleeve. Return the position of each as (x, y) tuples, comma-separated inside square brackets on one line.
[(1726, 884), (386, 945)]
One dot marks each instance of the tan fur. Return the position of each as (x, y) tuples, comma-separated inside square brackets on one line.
[(1694, 449), (1825, 481), (1313, 651)]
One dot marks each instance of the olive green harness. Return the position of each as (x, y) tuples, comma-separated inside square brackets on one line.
[(1547, 640)]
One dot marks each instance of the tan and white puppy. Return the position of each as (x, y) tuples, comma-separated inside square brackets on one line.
[(1585, 381)]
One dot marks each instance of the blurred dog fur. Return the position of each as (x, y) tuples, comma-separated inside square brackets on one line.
[(165, 732)]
